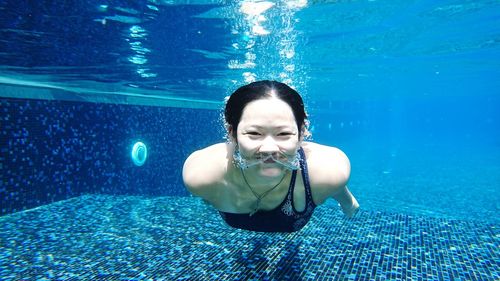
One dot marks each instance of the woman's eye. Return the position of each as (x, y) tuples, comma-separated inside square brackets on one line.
[(253, 133), (285, 134)]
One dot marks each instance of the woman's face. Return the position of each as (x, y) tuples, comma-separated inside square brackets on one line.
[(267, 127)]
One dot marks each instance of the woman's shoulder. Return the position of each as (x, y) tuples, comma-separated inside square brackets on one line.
[(328, 166), (217, 149), (322, 152), (205, 168)]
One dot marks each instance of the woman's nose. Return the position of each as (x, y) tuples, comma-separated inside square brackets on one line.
[(269, 145)]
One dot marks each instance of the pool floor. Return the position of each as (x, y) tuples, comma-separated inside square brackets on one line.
[(180, 238)]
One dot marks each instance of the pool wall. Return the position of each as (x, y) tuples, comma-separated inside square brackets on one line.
[(52, 150)]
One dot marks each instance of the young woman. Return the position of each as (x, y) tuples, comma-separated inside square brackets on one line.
[(267, 178)]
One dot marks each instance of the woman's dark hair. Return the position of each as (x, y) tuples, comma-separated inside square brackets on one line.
[(261, 90)]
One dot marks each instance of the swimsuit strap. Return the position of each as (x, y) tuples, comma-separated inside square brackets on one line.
[(305, 179), (292, 183), (305, 175)]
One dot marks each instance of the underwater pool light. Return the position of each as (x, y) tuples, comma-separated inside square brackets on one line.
[(139, 153)]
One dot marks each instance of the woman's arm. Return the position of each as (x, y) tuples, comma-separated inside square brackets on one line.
[(330, 173), (202, 172), (347, 202), (192, 173)]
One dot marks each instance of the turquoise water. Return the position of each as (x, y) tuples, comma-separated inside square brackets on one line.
[(408, 89)]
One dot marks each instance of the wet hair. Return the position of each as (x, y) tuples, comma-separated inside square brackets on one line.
[(262, 90)]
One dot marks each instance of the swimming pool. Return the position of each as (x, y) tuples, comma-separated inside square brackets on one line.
[(409, 90)]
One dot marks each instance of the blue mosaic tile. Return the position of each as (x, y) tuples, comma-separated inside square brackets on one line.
[(180, 238)]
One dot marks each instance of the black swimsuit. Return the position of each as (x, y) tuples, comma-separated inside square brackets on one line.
[(284, 218)]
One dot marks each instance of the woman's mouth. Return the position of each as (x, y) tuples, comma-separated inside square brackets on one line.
[(269, 161)]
